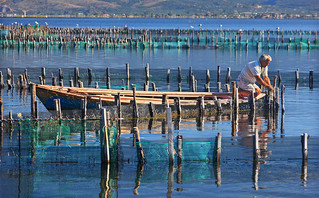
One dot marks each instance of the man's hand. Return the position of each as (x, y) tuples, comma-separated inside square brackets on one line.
[(265, 83)]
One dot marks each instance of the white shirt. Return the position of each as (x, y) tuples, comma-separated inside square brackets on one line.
[(252, 69)]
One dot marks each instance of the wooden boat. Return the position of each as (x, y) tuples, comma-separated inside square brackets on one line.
[(70, 97)]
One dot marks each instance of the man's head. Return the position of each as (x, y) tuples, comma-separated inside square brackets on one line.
[(264, 60)]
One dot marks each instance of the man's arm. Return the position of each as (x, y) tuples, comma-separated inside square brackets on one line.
[(265, 82)]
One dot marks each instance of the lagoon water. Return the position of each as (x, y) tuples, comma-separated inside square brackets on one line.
[(59, 161)]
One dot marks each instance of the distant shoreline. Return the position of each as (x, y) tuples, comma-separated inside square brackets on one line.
[(166, 17)]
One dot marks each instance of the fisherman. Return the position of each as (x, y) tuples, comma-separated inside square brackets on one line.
[(251, 73)]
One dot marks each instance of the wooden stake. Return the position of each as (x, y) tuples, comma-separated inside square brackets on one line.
[(104, 138), (179, 75), (219, 87), (90, 74), (178, 106), (60, 74), (218, 73), (207, 76), (1, 110), (71, 83), (76, 75), (108, 78), (84, 108), (58, 108), (304, 144), (218, 142), (228, 75), (33, 99), (139, 148), (1, 80), (311, 79), (170, 135), (180, 148), (297, 76), (251, 99), (54, 81), (36, 108), (135, 110), (147, 73), (283, 98), (128, 72), (151, 109), (190, 73), (43, 74), (256, 151)]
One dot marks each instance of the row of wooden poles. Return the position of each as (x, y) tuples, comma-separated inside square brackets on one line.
[(23, 83), (23, 31), (46, 36)]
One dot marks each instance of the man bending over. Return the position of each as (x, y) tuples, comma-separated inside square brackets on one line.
[(251, 73)]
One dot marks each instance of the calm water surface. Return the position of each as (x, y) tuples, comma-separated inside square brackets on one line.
[(63, 159)]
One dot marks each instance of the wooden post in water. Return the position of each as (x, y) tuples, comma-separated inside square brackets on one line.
[(147, 73), (276, 99), (1, 80), (311, 79), (168, 74), (190, 73), (153, 86), (179, 87), (76, 75), (219, 87), (304, 144), (33, 99), (207, 76), (71, 83), (119, 106), (80, 84), (227, 88), (279, 78), (1, 110), (9, 77), (218, 73), (170, 135), (104, 138), (36, 108), (43, 74), (297, 77), (84, 108), (135, 110), (58, 111), (193, 85), (179, 74), (228, 75), (127, 73), (54, 81), (108, 78), (180, 149), (178, 106), (10, 115), (251, 100), (151, 109), (218, 104), (139, 148), (283, 98), (90, 74), (201, 106), (256, 150), (218, 142), (60, 75)]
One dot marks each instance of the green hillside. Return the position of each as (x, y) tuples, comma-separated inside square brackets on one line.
[(159, 8)]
